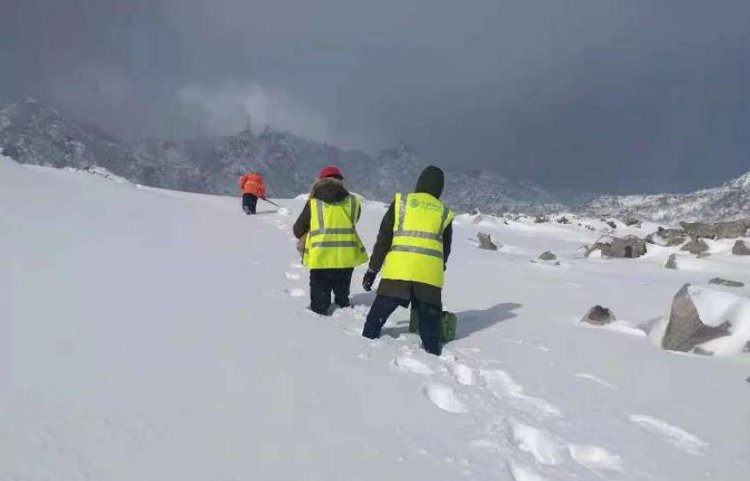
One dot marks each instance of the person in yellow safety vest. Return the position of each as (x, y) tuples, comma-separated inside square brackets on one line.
[(331, 247), (412, 248)]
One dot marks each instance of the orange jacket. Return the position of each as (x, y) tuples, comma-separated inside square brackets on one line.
[(253, 184)]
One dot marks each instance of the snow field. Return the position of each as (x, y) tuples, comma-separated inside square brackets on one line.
[(174, 343)]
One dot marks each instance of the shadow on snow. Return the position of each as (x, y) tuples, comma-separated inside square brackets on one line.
[(468, 322)]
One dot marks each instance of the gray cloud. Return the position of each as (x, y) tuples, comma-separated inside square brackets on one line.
[(603, 94)]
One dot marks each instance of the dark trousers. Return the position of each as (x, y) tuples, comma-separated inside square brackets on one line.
[(429, 320), (249, 201), (322, 282)]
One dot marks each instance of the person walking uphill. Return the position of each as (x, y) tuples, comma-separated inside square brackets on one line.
[(413, 246), (253, 187), (332, 247)]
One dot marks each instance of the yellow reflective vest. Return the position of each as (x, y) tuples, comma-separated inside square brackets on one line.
[(416, 252), (333, 242)]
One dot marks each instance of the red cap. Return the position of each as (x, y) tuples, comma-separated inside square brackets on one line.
[(330, 171)]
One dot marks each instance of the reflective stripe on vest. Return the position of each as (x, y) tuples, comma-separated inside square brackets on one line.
[(333, 242), (416, 253)]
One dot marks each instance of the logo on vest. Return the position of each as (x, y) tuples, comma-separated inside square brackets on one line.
[(416, 204)]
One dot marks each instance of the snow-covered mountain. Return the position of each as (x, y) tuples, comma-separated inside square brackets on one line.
[(33, 133), (728, 202), (154, 334)]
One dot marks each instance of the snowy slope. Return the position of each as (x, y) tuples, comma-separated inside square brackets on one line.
[(151, 334), (728, 202)]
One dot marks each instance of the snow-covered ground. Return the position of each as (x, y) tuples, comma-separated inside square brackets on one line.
[(149, 334)]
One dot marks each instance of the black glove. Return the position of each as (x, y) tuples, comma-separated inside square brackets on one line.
[(369, 279)]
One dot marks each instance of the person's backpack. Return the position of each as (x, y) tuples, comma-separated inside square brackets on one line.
[(447, 325)]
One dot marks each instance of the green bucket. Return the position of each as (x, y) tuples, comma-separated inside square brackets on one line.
[(447, 325)]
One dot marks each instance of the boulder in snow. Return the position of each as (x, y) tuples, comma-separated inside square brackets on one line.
[(632, 222), (563, 220), (726, 282), (485, 242), (541, 219), (628, 247), (718, 230), (547, 256), (612, 224), (696, 246), (667, 237), (599, 316), (685, 328), (671, 262), (740, 248)]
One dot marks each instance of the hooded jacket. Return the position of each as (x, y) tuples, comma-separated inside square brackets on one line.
[(328, 190), (431, 182)]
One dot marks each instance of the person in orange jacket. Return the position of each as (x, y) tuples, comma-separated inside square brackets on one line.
[(253, 187)]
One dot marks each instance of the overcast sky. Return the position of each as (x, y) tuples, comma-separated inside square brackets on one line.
[(608, 95)]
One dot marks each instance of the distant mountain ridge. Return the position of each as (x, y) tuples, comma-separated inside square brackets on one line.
[(33, 133), (727, 202)]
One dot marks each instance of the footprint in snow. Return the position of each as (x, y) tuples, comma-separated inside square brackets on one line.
[(676, 436), (541, 444), (409, 364), (360, 311), (295, 292), (443, 397), (292, 276), (464, 374), (594, 457), (503, 386)]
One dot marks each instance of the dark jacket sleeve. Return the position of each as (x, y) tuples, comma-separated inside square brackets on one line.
[(447, 241), (385, 238), (302, 225)]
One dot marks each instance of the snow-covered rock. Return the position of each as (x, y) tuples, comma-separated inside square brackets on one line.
[(628, 247), (726, 282), (671, 262), (599, 316), (667, 237), (547, 256), (718, 230), (740, 248), (717, 322), (485, 242), (695, 246)]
